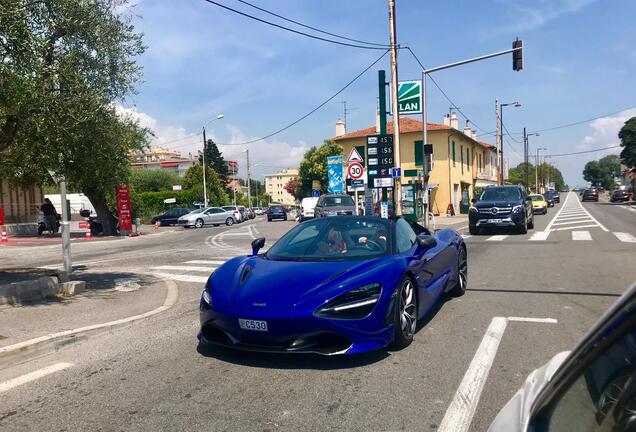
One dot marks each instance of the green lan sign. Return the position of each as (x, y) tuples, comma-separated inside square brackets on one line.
[(410, 97)]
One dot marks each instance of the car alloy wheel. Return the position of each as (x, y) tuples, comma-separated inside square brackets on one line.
[(461, 282), (405, 321), (198, 223), (229, 221)]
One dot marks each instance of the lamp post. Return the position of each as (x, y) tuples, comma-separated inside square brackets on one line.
[(249, 187), (205, 190), (516, 104), (526, 148), (536, 169)]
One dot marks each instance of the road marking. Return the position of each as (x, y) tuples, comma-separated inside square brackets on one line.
[(459, 414), (625, 237), (184, 268), (182, 278), (571, 222), (581, 216), (581, 235), (465, 236), (540, 235), (575, 227), (124, 258), (534, 320), (15, 382), (496, 238), (206, 262)]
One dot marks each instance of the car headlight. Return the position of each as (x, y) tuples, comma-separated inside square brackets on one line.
[(517, 208), (206, 297), (354, 304)]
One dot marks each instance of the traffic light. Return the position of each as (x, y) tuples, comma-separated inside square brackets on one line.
[(517, 56)]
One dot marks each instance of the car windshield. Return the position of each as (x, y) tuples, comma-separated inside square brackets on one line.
[(333, 239), (197, 211), (334, 201), (536, 197), (228, 208), (501, 194)]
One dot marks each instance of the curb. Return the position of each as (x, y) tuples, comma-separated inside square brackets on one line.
[(32, 348)]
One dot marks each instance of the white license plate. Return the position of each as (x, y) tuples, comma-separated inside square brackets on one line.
[(493, 220), (255, 325)]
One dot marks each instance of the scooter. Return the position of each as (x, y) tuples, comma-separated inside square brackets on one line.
[(43, 227)]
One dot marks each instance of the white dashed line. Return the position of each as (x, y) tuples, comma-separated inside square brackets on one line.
[(184, 268), (205, 262), (182, 278), (540, 235), (15, 382), (625, 237), (581, 235), (497, 238)]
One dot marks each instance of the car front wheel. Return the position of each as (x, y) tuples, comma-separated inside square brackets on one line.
[(531, 223), (523, 228), (405, 316), (461, 281), (229, 221), (198, 223)]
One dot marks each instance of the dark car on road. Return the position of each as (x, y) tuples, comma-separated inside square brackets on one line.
[(549, 198), (170, 217), (619, 195), (334, 205), (590, 195), (276, 212), (501, 206), (557, 196)]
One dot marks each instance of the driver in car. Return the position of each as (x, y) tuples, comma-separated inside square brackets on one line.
[(379, 237), (334, 243)]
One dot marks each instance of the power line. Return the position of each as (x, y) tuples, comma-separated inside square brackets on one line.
[(313, 110), (442, 91), (509, 134), (582, 152), (292, 30), (312, 28), (569, 124)]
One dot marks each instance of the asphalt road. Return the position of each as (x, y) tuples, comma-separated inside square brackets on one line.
[(151, 377)]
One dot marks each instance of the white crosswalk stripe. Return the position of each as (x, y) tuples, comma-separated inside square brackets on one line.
[(182, 277), (625, 237), (581, 235), (497, 238), (190, 271), (539, 236), (211, 262), (184, 268)]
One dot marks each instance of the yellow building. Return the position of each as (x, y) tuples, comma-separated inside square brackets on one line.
[(459, 159), (275, 186)]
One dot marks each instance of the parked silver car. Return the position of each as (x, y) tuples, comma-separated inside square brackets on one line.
[(207, 216), (334, 205)]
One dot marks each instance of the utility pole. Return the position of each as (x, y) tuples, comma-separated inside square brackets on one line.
[(205, 189), (249, 187), (501, 142), (66, 229), (396, 111), (498, 142), (525, 158), (426, 169)]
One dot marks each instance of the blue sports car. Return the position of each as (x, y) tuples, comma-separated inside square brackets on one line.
[(338, 285)]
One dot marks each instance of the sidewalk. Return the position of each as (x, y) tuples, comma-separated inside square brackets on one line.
[(108, 297), (457, 221)]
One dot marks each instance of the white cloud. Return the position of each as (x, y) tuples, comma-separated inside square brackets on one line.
[(605, 131), (528, 15)]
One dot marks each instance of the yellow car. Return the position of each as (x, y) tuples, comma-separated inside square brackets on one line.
[(539, 204)]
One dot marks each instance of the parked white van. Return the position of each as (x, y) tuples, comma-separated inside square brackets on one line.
[(307, 206)]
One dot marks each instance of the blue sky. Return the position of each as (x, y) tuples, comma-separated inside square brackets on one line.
[(580, 62)]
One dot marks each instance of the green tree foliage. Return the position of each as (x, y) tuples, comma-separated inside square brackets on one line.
[(603, 171), (63, 64), (214, 160), (517, 175), (314, 167), (627, 136), (193, 180), (548, 172), (144, 180)]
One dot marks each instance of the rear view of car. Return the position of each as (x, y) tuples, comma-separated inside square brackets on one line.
[(276, 212), (590, 195), (307, 206), (619, 196), (335, 205), (235, 212)]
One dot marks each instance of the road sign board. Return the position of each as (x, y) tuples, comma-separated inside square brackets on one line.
[(315, 193), (354, 156), (396, 172), (355, 170), (357, 183), (334, 174)]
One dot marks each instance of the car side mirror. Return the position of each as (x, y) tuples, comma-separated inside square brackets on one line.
[(257, 244), (426, 241)]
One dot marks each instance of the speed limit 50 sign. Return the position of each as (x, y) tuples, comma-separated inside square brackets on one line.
[(355, 171)]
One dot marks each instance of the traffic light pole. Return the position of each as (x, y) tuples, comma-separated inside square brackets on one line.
[(205, 189)]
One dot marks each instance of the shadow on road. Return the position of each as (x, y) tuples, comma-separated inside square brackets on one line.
[(290, 361), (520, 291)]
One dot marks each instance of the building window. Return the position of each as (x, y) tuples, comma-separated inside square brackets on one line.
[(454, 153), (461, 157), (468, 157)]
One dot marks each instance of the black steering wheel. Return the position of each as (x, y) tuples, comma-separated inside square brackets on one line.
[(373, 245)]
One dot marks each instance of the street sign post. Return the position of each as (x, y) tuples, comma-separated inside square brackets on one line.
[(355, 171), (396, 172), (334, 174), (354, 156), (315, 193), (124, 209), (380, 160), (409, 97)]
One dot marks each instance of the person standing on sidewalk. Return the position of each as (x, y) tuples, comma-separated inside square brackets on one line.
[(50, 215)]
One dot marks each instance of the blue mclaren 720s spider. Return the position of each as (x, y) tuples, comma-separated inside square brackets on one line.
[(334, 285)]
